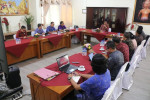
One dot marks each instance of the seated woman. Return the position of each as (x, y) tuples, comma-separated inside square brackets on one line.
[(140, 29), (104, 27), (95, 85), (21, 33), (128, 41), (132, 37), (139, 38)]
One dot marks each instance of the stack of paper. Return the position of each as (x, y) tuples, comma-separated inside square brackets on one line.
[(46, 74)]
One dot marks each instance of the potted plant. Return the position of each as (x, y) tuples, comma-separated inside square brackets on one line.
[(5, 21), (29, 19)]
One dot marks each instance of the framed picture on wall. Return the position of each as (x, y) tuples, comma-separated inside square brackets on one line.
[(142, 12), (14, 7), (83, 11)]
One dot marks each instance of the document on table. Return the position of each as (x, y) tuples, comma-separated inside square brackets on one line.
[(76, 78)]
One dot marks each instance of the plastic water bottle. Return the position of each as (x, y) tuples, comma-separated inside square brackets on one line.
[(59, 32), (118, 34), (17, 42), (84, 52), (76, 29)]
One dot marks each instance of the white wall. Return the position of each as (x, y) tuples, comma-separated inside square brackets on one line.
[(80, 19), (34, 9)]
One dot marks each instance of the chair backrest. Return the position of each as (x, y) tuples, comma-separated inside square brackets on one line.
[(122, 70), (14, 36), (147, 41), (133, 65), (109, 92), (142, 43), (137, 52)]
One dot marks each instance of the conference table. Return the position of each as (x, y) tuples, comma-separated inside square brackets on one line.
[(28, 48), (53, 42), (37, 47), (34, 47), (59, 87), (98, 35)]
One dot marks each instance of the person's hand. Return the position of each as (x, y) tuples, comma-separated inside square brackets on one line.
[(24, 37), (76, 73), (70, 75)]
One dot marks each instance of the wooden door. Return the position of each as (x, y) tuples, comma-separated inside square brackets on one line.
[(89, 18), (121, 20)]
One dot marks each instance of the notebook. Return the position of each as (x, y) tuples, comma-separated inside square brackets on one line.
[(76, 78), (46, 74)]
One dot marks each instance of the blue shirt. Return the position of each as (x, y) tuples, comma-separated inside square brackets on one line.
[(50, 29), (96, 86), (40, 31), (61, 27)]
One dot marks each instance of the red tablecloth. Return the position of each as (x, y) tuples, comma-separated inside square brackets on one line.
[(17, 49), (98, 36), (78, 33), (54, 38), (62, 79)]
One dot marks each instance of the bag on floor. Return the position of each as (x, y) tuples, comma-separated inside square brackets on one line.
[(13, 79)]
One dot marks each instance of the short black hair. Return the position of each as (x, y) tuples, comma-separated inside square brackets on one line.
[(23, 27), (110, 44), (131, 35), (105, 20), (116, 39), (52, 22), (140, 29), (61, 22), (127, 35), (39, 25), (99, 64)]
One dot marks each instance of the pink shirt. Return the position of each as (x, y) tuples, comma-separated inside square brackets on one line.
[(134, 43)]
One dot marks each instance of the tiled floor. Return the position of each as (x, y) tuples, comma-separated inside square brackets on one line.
[(139, 91)]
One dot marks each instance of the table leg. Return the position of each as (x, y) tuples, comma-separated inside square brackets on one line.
[(38, 49), (88, 39), (82, 38)]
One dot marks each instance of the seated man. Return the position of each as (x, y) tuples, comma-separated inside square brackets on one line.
[(104, 27), (140, 29), (22, 32), (115, 60), (39, 30), (122, 47), (95, 85), (128, 41), (50, 28), (61, 27)]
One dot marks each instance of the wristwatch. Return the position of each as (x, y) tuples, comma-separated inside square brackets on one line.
[(69, 78)]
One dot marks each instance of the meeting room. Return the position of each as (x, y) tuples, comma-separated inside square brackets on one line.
[(74, 49)]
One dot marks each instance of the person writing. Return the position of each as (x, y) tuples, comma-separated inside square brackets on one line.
[(50, 28), (21, 33), (95, 85), (104, 27), (61, 27), (39, 30)]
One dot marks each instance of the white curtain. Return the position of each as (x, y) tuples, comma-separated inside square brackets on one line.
[(53, 15), (58, 10)]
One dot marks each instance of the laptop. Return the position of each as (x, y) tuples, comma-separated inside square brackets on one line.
[(64, 64)]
